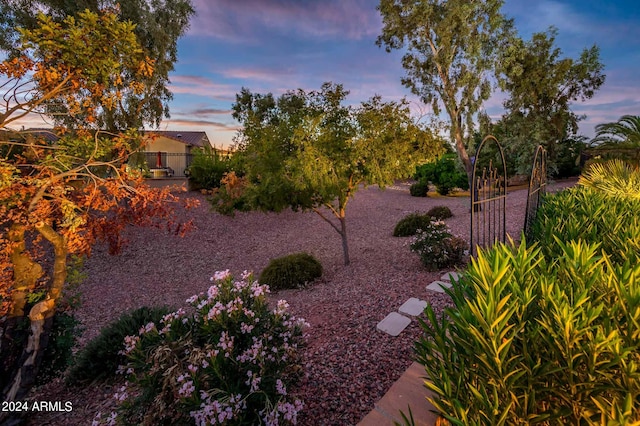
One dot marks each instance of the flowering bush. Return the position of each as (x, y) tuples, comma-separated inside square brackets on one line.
[(436, 246), (229, 362)]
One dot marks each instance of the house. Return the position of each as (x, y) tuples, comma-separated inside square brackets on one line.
[(169, 153)]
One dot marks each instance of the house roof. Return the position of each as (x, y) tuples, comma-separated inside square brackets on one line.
[(187, 138)]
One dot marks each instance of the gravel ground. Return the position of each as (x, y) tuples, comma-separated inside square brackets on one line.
[(348, 364)]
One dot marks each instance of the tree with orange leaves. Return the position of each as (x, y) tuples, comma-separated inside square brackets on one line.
[(60, 198)]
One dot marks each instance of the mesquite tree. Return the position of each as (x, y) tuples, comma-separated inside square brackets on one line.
[(59, 198), (309, 151)]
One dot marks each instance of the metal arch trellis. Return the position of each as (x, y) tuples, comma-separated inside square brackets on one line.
[(488, 200), (537, 186)]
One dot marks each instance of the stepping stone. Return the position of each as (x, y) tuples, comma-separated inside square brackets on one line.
[(393, 323), (450, 276), (413, 307), (439, 286)]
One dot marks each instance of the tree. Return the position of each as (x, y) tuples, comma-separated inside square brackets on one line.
[(542, 86), (451, 47), (62, 198), (624, 131), (158, 26), (308, 150)]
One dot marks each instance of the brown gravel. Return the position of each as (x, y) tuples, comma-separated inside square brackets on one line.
[(348, 364)]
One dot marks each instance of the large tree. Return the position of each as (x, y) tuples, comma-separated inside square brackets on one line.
[(58, 199), (158, 26), (542, 85), (310, 151), (450, 51)]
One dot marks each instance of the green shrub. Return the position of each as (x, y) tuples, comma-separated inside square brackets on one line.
[(410, 224), (590, 215), (207, 169), (437, 248), (445, 173), (59, 352), (530, 340), (292, 271), (230, 362), (440, 212), (100, 358), (419, 189)]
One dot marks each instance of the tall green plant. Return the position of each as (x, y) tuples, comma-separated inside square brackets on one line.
[(207, 169), (531, 340), (587, 214)]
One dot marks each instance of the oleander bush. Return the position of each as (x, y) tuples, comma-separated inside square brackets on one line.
[(440, 212), (591, 215), (100, 358), (230, 361), (291, 271), (437, 247), (531, 340), (410, 224), (419, 189)]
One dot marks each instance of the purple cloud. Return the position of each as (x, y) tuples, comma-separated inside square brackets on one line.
[(250, 19)]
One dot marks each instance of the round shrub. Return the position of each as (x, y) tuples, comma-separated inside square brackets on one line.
[(419, 189), (229, 362), (100, 358), (438, 249), (440, 212), (292, 271), (410, 224)]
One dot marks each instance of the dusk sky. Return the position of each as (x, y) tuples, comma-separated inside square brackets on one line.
[(279, 45)]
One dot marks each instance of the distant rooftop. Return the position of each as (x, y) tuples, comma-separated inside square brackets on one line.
[(188, 138)]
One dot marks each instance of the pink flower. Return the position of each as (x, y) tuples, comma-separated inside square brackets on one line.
[(221, 275)]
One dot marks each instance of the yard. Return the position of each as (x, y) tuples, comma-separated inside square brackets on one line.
[(348, 364)]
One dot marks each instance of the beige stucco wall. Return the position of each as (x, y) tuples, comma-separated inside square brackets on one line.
[(163, 144)]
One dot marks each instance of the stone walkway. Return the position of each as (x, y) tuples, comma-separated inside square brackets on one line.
[(408, 390)]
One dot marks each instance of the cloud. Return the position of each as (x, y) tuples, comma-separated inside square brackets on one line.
[(251, 20), (191, 123), (201, 86)]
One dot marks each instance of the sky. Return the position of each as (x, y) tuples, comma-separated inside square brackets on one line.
[(279, 45)]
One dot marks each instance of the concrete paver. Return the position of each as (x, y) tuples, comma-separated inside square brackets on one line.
[(413, 307), (408, 391), (450, 276), (439, 286), (393, 323)]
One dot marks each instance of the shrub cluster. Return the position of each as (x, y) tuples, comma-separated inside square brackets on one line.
[(446, 173), (207, 169), (410, 224), (229, 362), (436, 246), (100, 358), (291, 271), (545, 332), (419, 189), (440, 212)]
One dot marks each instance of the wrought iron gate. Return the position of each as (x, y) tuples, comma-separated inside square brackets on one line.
[(537, 186), (488, 197)]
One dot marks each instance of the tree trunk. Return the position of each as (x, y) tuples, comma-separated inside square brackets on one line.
[(26, 272), (41, 319), (343, 234)]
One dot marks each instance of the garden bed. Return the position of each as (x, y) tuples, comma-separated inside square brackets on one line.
[(348, 364)]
